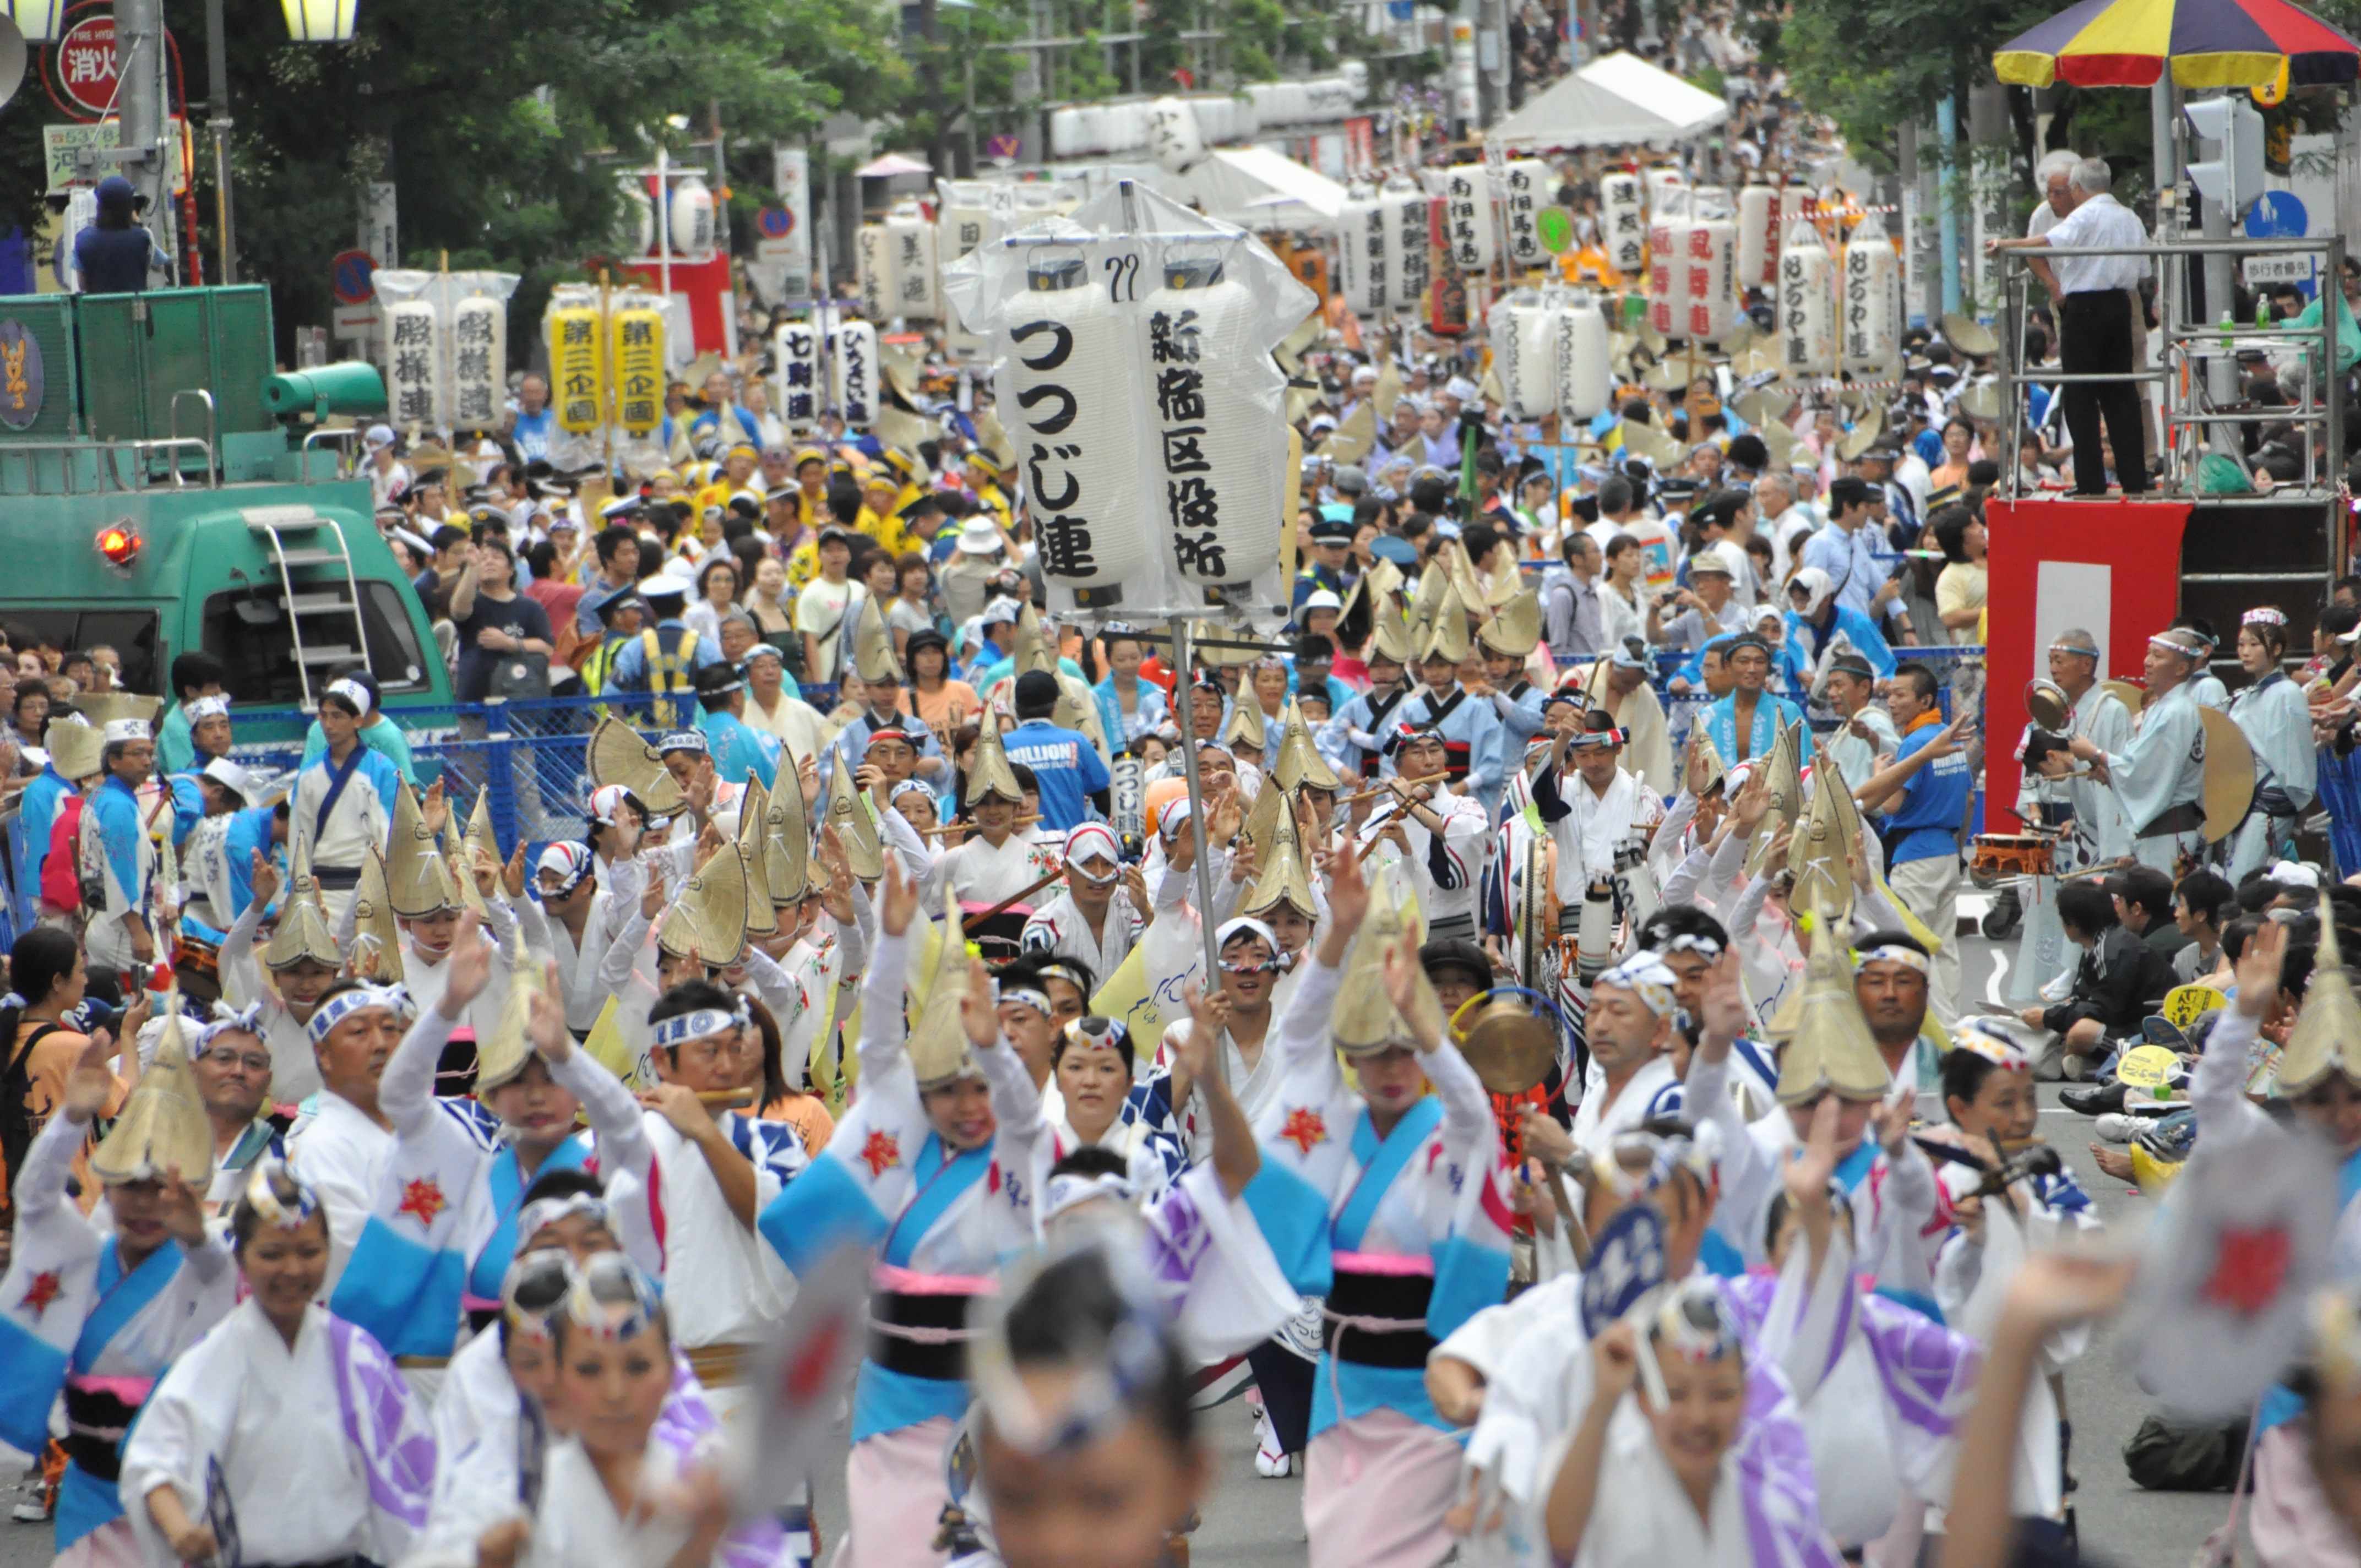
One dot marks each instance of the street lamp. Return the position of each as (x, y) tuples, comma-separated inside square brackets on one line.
[(308, 21), (42, 21)]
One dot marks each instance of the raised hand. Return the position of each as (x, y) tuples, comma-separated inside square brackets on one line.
[(469, 967), (2259, 970), (978, 1008), (545, 1022), (1722, 1007), (1348, 891), (513, 875), (88, 1082), (900, 900), (1401, 974), (263, 878), (1807, 1175)]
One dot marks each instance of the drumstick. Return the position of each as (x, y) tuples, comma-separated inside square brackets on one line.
[(1387, 787), (1576, 1237)]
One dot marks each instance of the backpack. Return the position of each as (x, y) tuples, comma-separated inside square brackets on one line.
[(2166, 1457), (16, 1128)]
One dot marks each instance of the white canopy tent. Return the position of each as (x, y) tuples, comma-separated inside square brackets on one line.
[(1618, 101), (1255, 187)]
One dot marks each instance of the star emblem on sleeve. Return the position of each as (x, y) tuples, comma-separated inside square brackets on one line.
[(881, 1152), (423, 1199), (45, 1288), (2248, 1269), (1303, 1128)]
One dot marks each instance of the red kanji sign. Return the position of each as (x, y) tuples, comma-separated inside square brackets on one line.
[(85, 63)]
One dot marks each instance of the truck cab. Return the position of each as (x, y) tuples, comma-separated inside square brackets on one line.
[(162, 489)]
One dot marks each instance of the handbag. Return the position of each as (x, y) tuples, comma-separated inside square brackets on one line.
[(520, 675)]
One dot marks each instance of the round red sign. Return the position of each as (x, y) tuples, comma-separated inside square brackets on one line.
[(85, 63)]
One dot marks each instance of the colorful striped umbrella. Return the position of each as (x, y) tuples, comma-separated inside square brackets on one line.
[(2210, 43)]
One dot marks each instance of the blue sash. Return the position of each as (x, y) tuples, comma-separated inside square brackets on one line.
[(1853, 1169), (491, 1268), (1380, 1163), (121, 1297), (339, 775), (941, 1184)]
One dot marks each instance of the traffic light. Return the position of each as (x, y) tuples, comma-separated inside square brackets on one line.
[(2236, 177)]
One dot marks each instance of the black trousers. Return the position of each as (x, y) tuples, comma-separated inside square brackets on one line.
[(2094, 337)]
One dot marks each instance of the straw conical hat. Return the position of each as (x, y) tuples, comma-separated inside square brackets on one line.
[(418, 879), (939, 1046), (709, 916), (1427, 603), (503, 1054), (163, 1122), (1785, 781), (1282, 879), (787, 835), (2327, 1035), (1465, 584), (1364, 1019), (1516, 628), (856, 830), (303, 930), (1717, 772), (1215, 647), (76, 750), (754, 808), (1245, 728), (376, 936), (989, 774), (1820, 853), (1388, 389), (1447, 638), (103, 708), (1352, 440), (873, 646), (1832, 1047), (456, 850), (1032, 650), (1262, 820), (1390, 639), (1300, 762), (617, 756), (1643, 439)]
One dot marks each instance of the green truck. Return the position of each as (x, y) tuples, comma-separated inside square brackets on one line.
[(163, 488)]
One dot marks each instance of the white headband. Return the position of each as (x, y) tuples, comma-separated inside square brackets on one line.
[(1643, 974), (681, 1029), (345, 1004)]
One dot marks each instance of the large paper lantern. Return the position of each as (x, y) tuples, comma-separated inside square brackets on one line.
[(1072, 405), (689, 213), (1707, 276), (1363, 256), (874, 268), (479, 355), (1808, 305), (910, 243), (1524, 190), (1408, 214), (1224, 479), (1758, 236), (414, 381), (1586, 376), (856, 372), (1467, 217), (1623, 222), (1872, 340), (801, 390), (1524, 334), (1175, 139)]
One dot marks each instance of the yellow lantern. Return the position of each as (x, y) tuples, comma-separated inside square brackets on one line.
[(638, 355), (320, 21), (577, 368)]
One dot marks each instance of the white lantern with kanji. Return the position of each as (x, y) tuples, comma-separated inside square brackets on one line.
[(1524, 189), (1623, 222), (479, 355), (414, 386), (1224, 481), (856, 373), (1363, 258), (799, 390), (1707, 278), (910, 244), (1408, 218), (1524, 334), (1758, 236), (1467, 217), (1586, 376), (873, 257), (1871, 338), (689, 214), (1808, 305)]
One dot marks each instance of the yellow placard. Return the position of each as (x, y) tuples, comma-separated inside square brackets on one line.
[(577, 368), (2144, 1066), (2184, 1004), (637, 352)]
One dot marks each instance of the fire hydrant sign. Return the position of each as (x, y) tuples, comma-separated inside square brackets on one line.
[(1132, 352), (85, 63)]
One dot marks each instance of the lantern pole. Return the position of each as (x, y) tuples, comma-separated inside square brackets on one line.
[(604, 423), (1197, 832)]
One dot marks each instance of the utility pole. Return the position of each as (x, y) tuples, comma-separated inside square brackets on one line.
[(139, 64)]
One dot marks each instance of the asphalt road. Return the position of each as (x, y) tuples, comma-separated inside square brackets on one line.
[(1250, 1522)]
